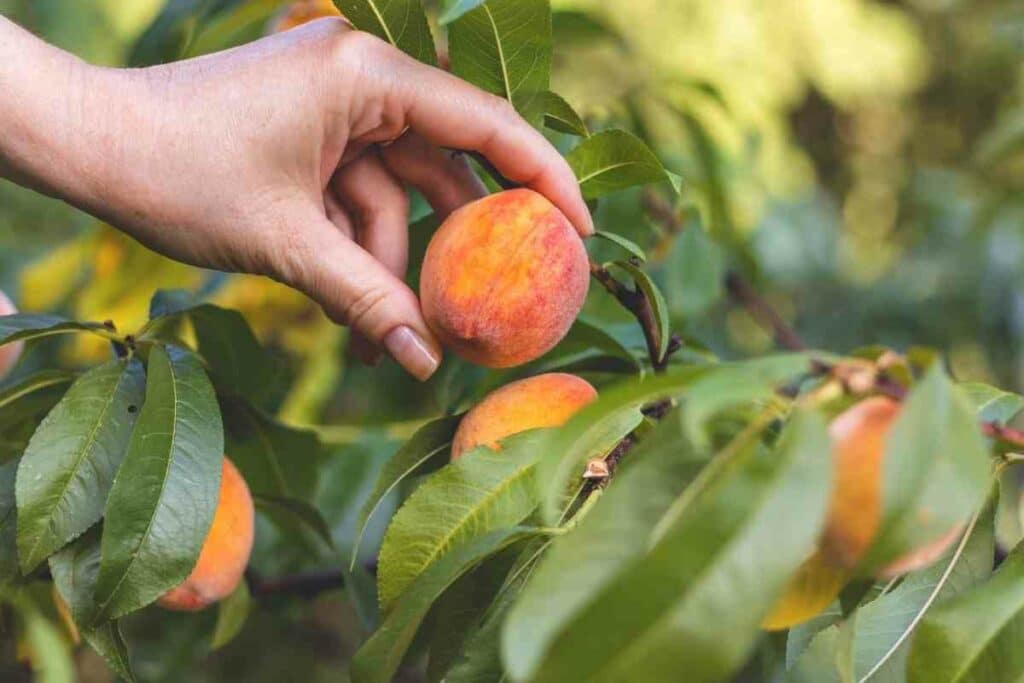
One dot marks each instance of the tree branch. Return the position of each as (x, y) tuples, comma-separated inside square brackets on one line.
[(763, 313)]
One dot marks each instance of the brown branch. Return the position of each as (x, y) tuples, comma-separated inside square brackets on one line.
[(1008, 435), (763, 312)]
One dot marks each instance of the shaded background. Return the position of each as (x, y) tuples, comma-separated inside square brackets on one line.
[(860, 161)]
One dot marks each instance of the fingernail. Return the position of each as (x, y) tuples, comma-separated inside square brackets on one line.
[(411, 352)]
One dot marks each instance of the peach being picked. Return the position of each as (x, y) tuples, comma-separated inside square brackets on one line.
[(503, 279)]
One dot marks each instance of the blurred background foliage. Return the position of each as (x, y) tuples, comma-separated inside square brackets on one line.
[(860, 161)]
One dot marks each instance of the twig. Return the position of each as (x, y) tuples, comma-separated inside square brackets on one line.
[(634, 301), (763, 313), (306, 584)]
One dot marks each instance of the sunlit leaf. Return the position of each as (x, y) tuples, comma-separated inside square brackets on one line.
[(69, 465), (28, 326), (560, 116), (402, 23), (614, 160), (165, 493)]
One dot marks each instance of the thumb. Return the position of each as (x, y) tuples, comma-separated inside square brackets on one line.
[(355, 289)]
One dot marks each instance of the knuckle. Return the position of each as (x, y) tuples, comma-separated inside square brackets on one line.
[(363, 48), (364, 306)]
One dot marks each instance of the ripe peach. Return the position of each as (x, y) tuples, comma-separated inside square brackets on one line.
[(301, 12), (503, 279), (225, 552), (9, 353), (858, 447), (542, 401)]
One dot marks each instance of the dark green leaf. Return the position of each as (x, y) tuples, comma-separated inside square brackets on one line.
[(800, 636), (614, 160), (430, 445), (713, 566), (9, 571), (231, 615), (74, 571), (165, 493), (974, 636), (379, 658), (297, 509), (627, 244), (560, 116), (166, 302), (936, 470), (657, 301), (26, 326), (23, 405), (482, 491), (402, 23), (69, 465), (504, 47)]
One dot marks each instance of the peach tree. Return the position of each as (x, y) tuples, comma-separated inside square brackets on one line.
[(804, 516)]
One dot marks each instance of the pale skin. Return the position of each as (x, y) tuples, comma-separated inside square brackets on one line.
[(287, 157)]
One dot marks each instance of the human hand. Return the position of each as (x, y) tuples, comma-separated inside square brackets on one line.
[(287, 158)]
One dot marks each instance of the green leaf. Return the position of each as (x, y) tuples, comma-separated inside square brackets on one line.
[(69, 465), (657, 301), (580, 564), (231, 615), (582, 342), (482, 491), (936, 470), (27, 326), (74, 571), (274, 459), (974, 636), (430, 445), (380, 656), (627, 244), (560, 116), (9, 571), (238, 363), (169, 302), (883, 627), (23, 405), (614, 160), (49, 652), (694, 273), (799, 637), (164, 496), (402, 23), (453, 9), (992, 404), (299, 510), (823, 659), (504, 47), (693, 601)]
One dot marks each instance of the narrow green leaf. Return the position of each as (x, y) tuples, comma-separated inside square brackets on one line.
[(974, 636), (231, 615), (992, 404), (584, 340), (165, 493), (48, 649), (430, 445), (883, 627), (74, 571), (657, 301), (560, 116), (580, 564), (69, 465), (299, 510), (23, 406), (504, 47), (237, 362), (936, 470), (9, 571), (627, 244), (694, 600), (453, 9), (403, 23), (27, 326), (380, 656), (482, 491), (614, 160)]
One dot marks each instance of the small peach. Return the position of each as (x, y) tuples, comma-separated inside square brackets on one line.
[(542, 401), (225, 552), (503, 279)]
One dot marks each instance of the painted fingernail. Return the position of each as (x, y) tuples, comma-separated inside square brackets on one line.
[(412, 352)]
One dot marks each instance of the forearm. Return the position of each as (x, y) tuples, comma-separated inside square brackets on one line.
[(55, 119)]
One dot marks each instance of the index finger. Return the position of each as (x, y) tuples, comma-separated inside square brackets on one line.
[(450, 112)]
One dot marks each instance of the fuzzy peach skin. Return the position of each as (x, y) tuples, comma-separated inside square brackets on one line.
[(503, 279), (225, 551), (858, 441), (9, 353), (542, 401), (302, 12)]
